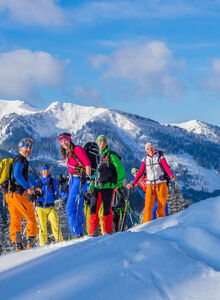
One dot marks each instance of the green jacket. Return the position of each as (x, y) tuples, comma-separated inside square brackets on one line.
[(119, 170)]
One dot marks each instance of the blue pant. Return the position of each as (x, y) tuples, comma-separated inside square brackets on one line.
[(74, 198)]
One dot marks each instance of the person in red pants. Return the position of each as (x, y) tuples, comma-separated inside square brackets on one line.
[(109, 177)]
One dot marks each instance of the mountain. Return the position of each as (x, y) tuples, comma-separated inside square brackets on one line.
[(203, 129), (176, 257), (193, 155)]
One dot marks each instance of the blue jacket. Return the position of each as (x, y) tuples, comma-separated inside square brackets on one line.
[(48, 195)]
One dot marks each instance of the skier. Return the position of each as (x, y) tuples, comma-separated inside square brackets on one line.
[(21, 184), (45, 205), (79, 171), (109, 177), (141, 188), (156, 168)]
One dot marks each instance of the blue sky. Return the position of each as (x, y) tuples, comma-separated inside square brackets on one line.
[(158, 59)]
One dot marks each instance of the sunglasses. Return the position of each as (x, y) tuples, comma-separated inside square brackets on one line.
[(63, 135)]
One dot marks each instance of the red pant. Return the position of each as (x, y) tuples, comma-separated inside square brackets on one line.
[(18, 205), (106, 196)]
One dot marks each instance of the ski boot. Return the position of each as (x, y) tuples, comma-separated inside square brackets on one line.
[(18, 247), (30, 242)]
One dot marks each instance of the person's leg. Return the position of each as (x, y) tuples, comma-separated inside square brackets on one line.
[(149, 203), (53, 218), (95, 203), (42, 222), (15, 218), (162, 193), (71, 206), (107, 196)]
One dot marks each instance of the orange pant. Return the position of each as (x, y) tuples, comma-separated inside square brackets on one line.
[(154, 191), (18, 205)]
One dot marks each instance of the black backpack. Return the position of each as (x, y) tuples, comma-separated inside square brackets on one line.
[(106, 170), (92, 152)]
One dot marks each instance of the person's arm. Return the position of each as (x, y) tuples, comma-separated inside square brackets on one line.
[(83, 158), (32, 182), (18, 169), (119, 169), (166, 167)]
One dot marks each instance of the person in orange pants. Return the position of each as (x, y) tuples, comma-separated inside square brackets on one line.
[(156, 168), (22, 184), (18, 205)]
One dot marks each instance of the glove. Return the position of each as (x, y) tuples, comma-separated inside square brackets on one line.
[(31, 197), (88, 179), (58, 202)]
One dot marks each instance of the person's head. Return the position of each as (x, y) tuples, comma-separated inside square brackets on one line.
[(25, 146), (66, 144), (101, 141), (44, 170), (150, 148), (134, 171)]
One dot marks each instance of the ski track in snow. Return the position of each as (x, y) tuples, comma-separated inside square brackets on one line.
[(177, 257)]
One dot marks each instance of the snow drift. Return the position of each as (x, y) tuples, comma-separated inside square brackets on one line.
[(177, 257)]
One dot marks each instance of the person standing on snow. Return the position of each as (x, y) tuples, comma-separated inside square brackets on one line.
[(109, 177), (45, 205), (21, 184), (79, 168), (155, 166), (141, 186)]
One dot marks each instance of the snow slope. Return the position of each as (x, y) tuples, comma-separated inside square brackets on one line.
[(201, 128), (16, 106), (177, 257)]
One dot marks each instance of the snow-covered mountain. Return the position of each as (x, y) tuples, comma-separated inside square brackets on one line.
[(193, 155), (176, 257), (208, 131)]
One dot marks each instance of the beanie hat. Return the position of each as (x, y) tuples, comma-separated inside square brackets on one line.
[(101, 138), (133, 170)]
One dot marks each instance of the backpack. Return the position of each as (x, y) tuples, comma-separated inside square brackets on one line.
[(51, 187), (106, 170), (5, 170), (165, 176), (92, 152)]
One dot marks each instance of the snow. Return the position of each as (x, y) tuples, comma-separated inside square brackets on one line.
[(207, 179), (16, 106), (177, 257), (201, 128)]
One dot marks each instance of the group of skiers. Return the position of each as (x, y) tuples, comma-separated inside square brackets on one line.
[(96, 196)]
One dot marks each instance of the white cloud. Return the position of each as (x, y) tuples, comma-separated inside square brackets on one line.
[(43, 12), (213, 80), (22, 71), (150, 66), (99, 11), (88, 94)]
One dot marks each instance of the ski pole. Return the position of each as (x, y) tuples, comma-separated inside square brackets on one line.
[(60, 187), (131, 210), (125, 211)]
